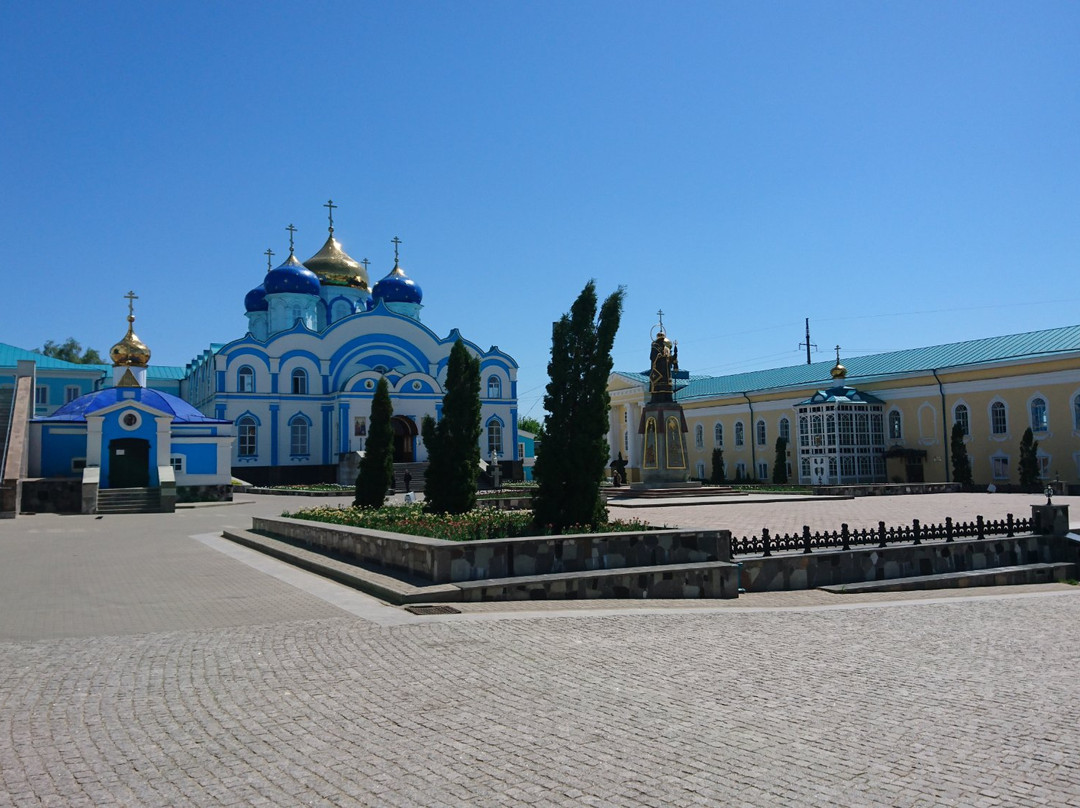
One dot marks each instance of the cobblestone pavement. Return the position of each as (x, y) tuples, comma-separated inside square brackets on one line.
[(206, 680)]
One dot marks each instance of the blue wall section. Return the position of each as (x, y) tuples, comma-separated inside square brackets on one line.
[(199, 458), (58, 451)]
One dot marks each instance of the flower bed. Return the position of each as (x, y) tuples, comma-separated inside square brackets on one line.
[(481, 523)]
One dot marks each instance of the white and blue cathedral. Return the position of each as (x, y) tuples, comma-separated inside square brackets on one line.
[(299, 385)]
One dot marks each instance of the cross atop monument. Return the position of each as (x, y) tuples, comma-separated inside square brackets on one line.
[(397, 243), (330, 204), (269, 254), (131, 297), (365, 262), (660, 314), (292, 230)]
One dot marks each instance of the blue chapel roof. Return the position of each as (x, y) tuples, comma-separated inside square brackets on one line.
[(181, 411), (291, 276)]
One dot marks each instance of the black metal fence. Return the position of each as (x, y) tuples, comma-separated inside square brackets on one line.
[(844, 539)]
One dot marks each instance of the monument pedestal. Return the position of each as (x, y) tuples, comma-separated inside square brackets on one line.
[(664, 460)]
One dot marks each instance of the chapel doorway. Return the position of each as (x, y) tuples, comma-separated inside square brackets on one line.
[(129, 463), (404, 439)]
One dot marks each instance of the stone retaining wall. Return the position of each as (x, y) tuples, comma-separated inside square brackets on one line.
[(835, 567), (442, 561)]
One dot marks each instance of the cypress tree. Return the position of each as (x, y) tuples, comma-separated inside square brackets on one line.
[(779, 471), (453, 444), (571, 466), (377, 465), (961, 463), (1029, 462), (718, 477)]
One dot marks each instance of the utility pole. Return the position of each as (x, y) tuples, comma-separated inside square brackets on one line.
[(808, 343)]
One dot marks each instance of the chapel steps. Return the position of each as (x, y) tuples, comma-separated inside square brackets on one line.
[(129, 500), (416, 470)]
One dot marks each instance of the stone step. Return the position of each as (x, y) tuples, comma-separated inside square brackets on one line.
[(997, 576), (129, 500), (706, 579)]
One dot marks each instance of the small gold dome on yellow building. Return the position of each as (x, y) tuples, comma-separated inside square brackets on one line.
[(838, 371), (130, 351)]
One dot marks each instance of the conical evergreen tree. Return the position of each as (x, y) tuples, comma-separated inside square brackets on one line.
[(779, 471), (575, 453), (377, 465), (718, 477), (1029, 462), (961, 463), (453, 444)]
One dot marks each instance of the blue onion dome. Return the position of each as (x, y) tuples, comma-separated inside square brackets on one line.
[(255, 300), (397, 287), (335, 267), (292, 276)]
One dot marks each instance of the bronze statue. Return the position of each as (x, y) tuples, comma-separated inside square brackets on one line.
[(663, 362)]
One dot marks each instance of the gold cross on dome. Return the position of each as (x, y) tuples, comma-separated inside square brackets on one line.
[(397, 243), (131, 297), (838, 354), (365, 262), (291, 230), (269, 254), (330, 204), (660, 314)]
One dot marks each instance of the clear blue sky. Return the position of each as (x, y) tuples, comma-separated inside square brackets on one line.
[(903, 174)]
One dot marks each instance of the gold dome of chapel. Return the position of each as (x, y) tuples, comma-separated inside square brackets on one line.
[(130, 351)]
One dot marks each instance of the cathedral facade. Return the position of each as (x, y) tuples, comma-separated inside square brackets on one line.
[(299, 384)]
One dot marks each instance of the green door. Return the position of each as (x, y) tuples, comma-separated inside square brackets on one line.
[(129, 463)]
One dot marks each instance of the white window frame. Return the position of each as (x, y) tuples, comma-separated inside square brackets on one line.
[(247, 431), (245, 372), (494, 386), (997, 405), (177, 461), (71, 392), (999, 468), (1044, 427), (299, 436), (494, 438), (699, 436), (740, 434), (41, 395), (761, 432), (895, 416), (783, 429), (966, 422), (298, 378), (718, 434)]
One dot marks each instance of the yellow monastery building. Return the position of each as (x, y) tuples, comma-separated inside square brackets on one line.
[(884, 418)]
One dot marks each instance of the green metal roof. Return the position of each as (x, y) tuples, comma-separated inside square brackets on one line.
[(10, 355), (1029, 345)]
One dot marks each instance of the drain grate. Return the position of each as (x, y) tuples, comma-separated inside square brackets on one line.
[(426, 610)]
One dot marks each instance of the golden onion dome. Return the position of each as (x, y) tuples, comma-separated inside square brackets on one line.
[(838, 371), (130, 351), (336, 267)]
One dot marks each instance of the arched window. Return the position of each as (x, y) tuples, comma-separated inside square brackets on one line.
[(785, 430), (494, 387), (699, 436), (718, 430), (999, 425), (298, 436), (299, 382), (739, 433), (247, 437), (960, 416), (896, 431), (762, 434), (245, 380), (1038, 415), (494, 434)]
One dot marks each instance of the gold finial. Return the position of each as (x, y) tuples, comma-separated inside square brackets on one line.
[(839, 371), (130, 351), (365, 262), (330, 204), (292, 230), (269, 254), (397, 243)]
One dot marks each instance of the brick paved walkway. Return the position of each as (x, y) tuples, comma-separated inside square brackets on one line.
[(156, 669)]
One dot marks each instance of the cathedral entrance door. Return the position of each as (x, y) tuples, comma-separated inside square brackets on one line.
[(129, 463), (404, 439)]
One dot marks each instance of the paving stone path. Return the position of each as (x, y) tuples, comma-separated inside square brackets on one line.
[(159, 670)]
